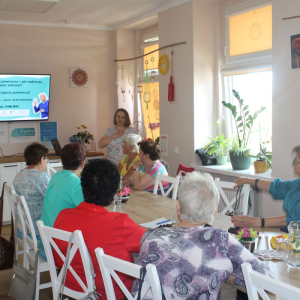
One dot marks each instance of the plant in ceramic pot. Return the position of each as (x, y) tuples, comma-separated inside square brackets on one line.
[(244, 121), (263, 163), (247, 237), (217, 146)]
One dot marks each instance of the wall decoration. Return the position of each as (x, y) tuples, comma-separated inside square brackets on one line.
[(79, 77), (171, 84), (163, 64), (48, 132), (131, 82), (157, 115), (23, 132), (123, 83), (295, 50), (147, 93)]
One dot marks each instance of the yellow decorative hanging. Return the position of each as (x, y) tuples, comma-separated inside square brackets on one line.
[(163, 60)]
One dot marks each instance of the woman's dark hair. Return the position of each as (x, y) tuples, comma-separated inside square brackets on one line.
[(34, 152), (72, 156), (150, 147), (100, 181), (127, 122)]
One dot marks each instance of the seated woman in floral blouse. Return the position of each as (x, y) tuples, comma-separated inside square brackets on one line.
[(192, 260)]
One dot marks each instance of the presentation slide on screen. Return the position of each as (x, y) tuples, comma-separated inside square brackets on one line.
[(24, 97)]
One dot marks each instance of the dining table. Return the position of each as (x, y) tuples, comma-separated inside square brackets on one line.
[(143, 207)]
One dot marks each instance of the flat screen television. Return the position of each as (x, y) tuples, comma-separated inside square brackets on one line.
[(24, 97)]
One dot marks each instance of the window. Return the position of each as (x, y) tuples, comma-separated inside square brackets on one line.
[(248, 67), (256, 90)]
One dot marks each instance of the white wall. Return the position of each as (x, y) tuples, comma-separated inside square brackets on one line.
[(46, 50), (286, 88), (177, 118)]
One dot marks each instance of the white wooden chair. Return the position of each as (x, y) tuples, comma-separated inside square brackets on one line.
[(51, 168), (173, 187), (48, 234), (230, 203), (18, 223), (256, 283), (108, 266), (31, 244)]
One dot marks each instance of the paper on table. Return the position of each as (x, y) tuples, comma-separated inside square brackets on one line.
[(153, 224)]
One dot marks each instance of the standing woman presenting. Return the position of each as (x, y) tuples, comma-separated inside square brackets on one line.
[(114, 136)]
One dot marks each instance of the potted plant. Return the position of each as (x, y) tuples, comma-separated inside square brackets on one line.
[(247, 237), (124, 193), (82, 137), (216, 146), (244, 123), (263, 162)]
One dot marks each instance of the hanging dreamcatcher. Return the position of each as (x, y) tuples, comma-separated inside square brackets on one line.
[(147, 94), (131, 82), (118, 81), (123, 83)]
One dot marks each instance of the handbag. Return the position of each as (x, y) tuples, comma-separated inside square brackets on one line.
[(6, 247), (92, 295), (143, 272), (206, 159), (23, 282)]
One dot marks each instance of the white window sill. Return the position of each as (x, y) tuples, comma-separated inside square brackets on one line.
[(227, 170)]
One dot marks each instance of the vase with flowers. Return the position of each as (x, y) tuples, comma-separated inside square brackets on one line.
[(124, 193), (247, 237), (82, 137)]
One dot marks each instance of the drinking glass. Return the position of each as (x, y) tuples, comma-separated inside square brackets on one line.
[(262, 243), (281, 248), (237, 212)]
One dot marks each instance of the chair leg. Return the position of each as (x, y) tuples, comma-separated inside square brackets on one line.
[(37, 287)]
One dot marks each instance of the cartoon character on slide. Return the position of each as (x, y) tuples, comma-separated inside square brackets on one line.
[(42, 106)]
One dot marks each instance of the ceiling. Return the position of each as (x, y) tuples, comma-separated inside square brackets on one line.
[(93, 14), (89, 14)]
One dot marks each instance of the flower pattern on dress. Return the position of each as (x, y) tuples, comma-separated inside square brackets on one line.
[(193, 263), (115, 150)]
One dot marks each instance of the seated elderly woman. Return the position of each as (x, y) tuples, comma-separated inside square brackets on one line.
[(131, 149), (64, 189), (192, 260), (115, 232), (32, 181), (146, 169), (279, 190)]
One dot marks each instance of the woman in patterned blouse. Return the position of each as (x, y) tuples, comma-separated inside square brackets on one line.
[(192, 260), (114, 136)]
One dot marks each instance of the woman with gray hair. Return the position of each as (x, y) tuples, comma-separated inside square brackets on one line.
[(289, 191), (131, 151), (193, 259)]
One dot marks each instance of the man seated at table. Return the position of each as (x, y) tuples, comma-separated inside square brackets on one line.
[(115, 232), (192, 260)]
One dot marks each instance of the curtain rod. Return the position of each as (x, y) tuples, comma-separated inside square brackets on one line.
[(150, 52), (290, 18)]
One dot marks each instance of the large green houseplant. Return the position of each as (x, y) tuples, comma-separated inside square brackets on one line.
[(244, 122)]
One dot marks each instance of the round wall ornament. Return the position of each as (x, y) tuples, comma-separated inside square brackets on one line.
[(79, 77), (163, 64)]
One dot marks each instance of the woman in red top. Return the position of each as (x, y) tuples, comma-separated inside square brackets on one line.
[(115, 232)]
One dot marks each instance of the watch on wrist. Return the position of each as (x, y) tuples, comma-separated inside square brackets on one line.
[(136, 169)]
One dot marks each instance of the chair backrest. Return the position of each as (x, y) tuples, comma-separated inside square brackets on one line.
[(172, 188), (51, 168), (182, 170), (108, 266), (48, 234), (166, 165), (229, 204), (256, 283), (11, 197), (27, 229)]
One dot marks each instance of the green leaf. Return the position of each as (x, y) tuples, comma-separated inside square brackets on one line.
[(246, 107), (250, 118), (248, 125), (240, 125), (246, 113), (239, 118)]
